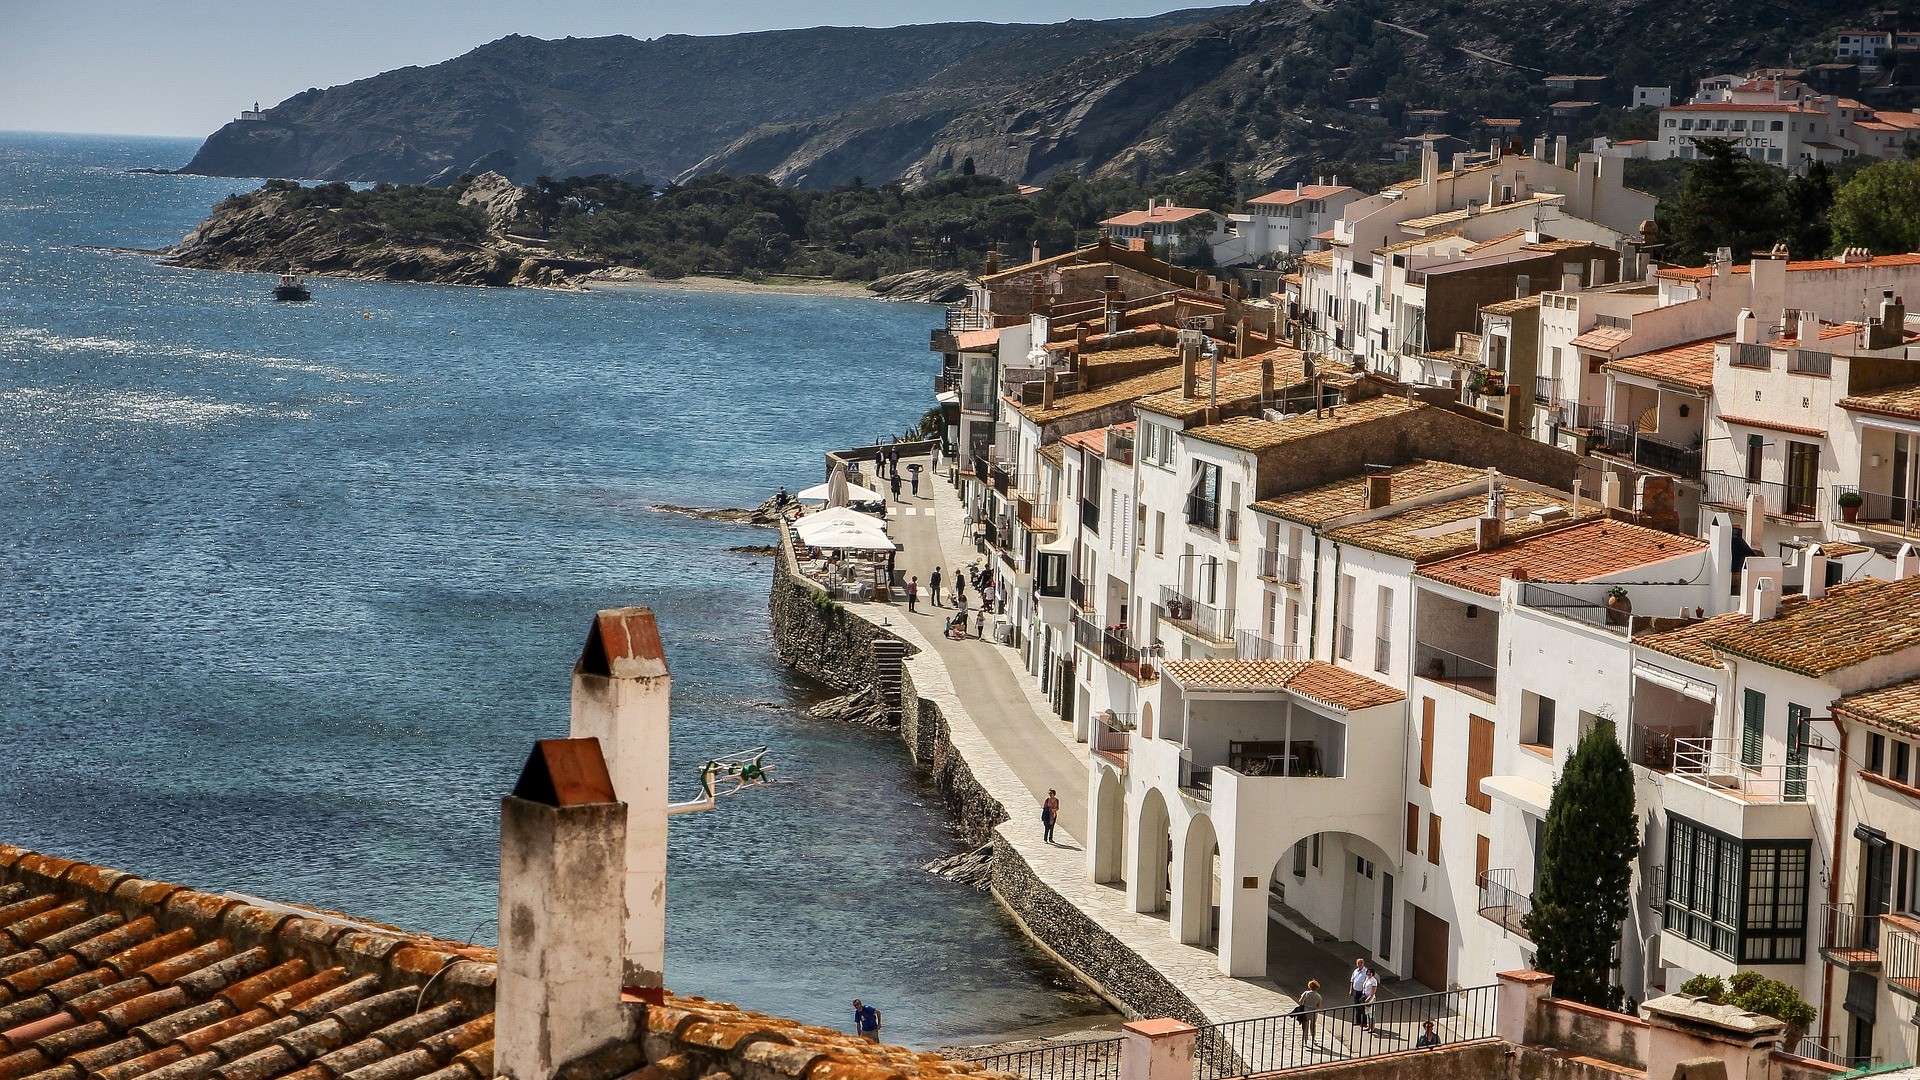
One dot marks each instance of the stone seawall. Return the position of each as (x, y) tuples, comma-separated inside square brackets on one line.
[(834, 645)]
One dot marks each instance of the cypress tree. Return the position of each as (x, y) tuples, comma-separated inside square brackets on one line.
[(1583, 882)]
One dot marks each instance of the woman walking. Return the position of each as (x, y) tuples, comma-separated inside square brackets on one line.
[(1310, 1006)]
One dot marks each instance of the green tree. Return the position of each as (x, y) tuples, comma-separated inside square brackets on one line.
[(1727, 200), (1581, 887), (1880, 209), (1809, 201), (1756, 993)]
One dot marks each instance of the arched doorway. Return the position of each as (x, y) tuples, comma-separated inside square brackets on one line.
[(1109, 829), (1146, 720), (1153, 850), (1199, 886)]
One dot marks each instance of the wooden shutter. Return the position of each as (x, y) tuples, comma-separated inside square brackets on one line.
[(1753, 727), (1433, 839), (1482, 855), (1479, 761), (1426, 742), (1413, 829)]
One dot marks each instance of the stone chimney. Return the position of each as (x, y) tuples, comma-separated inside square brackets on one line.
[(1046, 389), (1490, 530), (1379, 491), (1889, 330), (1814, 585), (562, 840), (992, 265), (1266, 379), (621, 696)]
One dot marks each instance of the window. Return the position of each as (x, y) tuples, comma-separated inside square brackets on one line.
[(1756, 454), (1050, 573), (1745, 901), (1902, 761), (1739, 125), (1753, 727), (1482, 857), (1536, 722), (1877, 754), (1203, 496), (1316, 851), (1346, 617), (1776, 125), (1433, 839), (1426, 742), (1383, 640), (1159, 532), (1300, 859), (1479, 761), (1686, 124), (1413, 829), (1803, 476)]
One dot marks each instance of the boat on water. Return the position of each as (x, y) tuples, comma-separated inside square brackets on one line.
[(291, 288)]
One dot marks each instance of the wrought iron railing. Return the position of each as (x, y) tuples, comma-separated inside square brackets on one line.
[(1272, 1043), (1382, 653), (1545, 389), (1667, 457), (977, 400), (1879, 508), (1572, 414), (1461, 672), (1111, 646), (1502, 903), (1827, 1049), (1850, 931), (966, 318), (1276, 565), (1251, 646), (1781, 500), (1230, 527), (1346, 643), (1203, 513), (1097, 1059), (1207, 620), (1079, 593)]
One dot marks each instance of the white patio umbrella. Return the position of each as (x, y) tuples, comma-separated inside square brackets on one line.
[(822, 494), (841, 520), (846, 536)]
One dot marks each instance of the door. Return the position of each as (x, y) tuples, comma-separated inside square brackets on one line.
[(1803, 476), (1902, 487), (1798, 717), (1876, 891), (1430, 949)]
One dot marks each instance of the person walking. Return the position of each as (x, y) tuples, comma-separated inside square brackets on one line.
[(980, 624), (960, 604), (1358, 983), (986, 596), (866, 1020), (960, 591), (913, 592), (896, 487), (913, 477), (1310, 1006), (933, 586), (1049, 815), (1371, 988)]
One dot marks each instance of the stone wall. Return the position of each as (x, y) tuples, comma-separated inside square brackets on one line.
[(819, 639), (1468, 1061), (924, 730), (1599, 1033)]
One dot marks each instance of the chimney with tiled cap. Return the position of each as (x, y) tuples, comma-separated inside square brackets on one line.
[(562, 839), (1906, 564), (621, 696)]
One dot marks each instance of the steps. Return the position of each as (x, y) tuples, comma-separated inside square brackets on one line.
[(889, 656)]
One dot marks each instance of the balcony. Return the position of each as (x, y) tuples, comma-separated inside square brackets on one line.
[(1794, 503), (946, 382), (1382, 654), (1120, 447), (1033, 514), (1645, 450), (1203, 513), (1880, 511), (1279, 567), (1202, 620), (1715, 764), (1545, 389), (1463, 673), (1251, 646), (1230, 530), (1003, 478), (1109, 645), (943, 341), (1852, 940), (1572, 414), (1080, 594), (1501, 903), (1111, 736), (977, 399), (966, 318), (1090, 516)]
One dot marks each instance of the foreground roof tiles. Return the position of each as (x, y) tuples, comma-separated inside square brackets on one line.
[(107, 976), (1894, 708), (1335, 687), (1893, 401), (1689, 366), (1583, 552), (1239, 381), (1247, 433), (1318, 505), (1855, 622)]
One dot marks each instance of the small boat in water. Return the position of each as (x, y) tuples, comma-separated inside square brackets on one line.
[(291, 288)]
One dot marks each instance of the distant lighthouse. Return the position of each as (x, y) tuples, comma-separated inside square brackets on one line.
[(253, 113)]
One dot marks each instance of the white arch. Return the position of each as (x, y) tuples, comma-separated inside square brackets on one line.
[(1151, 851), (1194, 893), (1146, 719), (1108, 847)]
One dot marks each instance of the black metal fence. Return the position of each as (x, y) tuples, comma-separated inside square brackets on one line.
[(1273, 1043), (1095, 1060)]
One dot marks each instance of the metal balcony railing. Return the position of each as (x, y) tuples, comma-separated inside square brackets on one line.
[(1810, 362), (946, 381), (1111, 736), (1078, 592), (966, 318), (1003, 478), (1203, 513), (1090, 516), (1120, 447), (1087, 633), (1749, 355), (1346, 643), (1273, 1044), (977, 400), (1207, 620), (1879, 509), (1502, 903), (1435, 664), (1572, 414), (1110, 645), (1545, 389), (1667, 457), (1780, 500), (1382, 653), (1851, 933), (1251, 646), (1715, 764), (1230, 527)]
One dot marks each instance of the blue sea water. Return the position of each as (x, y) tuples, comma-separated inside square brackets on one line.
[(287, 591)]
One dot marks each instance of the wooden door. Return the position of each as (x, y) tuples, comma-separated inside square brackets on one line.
[(1430, 949)]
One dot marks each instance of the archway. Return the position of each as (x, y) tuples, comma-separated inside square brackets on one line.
[(1153, 850), (1109, 829), (1199, 886), (1146, 720)]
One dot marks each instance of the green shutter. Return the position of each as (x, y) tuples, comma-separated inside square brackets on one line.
[(1754, 725)]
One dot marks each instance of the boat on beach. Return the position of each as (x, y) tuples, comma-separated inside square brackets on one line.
[(291, 287)]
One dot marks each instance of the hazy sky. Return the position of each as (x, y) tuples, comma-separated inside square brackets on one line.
[(185, 67)]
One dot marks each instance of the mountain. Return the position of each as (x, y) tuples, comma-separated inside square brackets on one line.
[(1266, 87), (526, 107)]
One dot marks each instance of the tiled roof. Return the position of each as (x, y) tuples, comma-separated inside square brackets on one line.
[(1247, 433), (1441, 530), (1239, 381), (1156, 215), (1316, 679), (1689, 365), (1094, 441), (1895, 707), (1582, 552), (1321, 259), (1893, 401), (1512, 307), (1774, 425), (1053, 452), (108, 976), (1854, 622), (1423, 241), (1317, 505), (1602, 339), (977, 340), (1448, 216), (1099, 397), (1289, 196), (1837, 550), (1695, 273), (1094, 359)]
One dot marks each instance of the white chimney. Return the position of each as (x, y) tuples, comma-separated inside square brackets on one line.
[(621, 693), (1814, 586), (1760, 577), (1766, 599), (557, 989), (1755, 527), (1906, 564), (1610, 491)]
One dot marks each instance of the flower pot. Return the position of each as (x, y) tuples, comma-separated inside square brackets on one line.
[(1849, 514)]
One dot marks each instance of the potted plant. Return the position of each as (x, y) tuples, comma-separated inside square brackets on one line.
[(1619, 606), (1850, 502)]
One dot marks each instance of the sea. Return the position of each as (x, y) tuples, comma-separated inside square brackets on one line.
[(287, 592)]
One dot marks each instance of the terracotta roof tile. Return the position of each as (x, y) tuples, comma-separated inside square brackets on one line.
[(1688, 366), (1289, 196), (977, 340), (1333, 686), (1696, 273), (1117, 392), (1441, 530), (1894, 708), (1512, 307), (1774, 425), (1247, 433), (1856, 621), (1893, 401), (1317, 505), (1602, 339), (1591, 549), (1239, 383), (1157, 215)]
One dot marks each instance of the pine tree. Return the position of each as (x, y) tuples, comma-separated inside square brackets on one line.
[(1582, 884), (1728, 200)]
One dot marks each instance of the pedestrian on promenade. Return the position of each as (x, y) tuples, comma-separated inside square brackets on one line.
[(933, 586), (1371, 987), (986, 597), (1358, 982), (913, 592), (1428, 1035), (960, 602), (980, 624), (1310, 1006), (896, 487), (913, 476), (1049, 814), (866, 1020), (960, 591)]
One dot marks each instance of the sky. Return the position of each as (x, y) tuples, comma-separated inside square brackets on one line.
[(185, 67)]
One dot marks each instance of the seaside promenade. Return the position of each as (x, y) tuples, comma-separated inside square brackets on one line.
[(1018, 750)]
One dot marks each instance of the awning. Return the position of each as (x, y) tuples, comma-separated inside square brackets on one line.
[(947, 397), (1676, 682), (1529, 795)]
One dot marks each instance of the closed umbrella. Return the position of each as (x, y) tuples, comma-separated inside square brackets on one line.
[(837, 485)]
